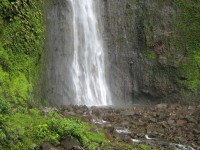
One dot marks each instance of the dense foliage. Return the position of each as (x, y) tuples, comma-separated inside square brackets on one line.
[(188, 41), (21, 44), (24, 129)]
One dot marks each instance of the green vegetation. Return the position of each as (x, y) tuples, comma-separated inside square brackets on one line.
[(22, 128), (150, 55), (188, 41), (21, 42)]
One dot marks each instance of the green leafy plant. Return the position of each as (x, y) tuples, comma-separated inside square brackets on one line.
[(21, 129), (21, 48)]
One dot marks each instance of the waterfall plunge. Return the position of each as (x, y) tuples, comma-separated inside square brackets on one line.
[(88, 67)]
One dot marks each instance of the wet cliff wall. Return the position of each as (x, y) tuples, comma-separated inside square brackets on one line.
[(152, 49), (59, 52), (146, 49)]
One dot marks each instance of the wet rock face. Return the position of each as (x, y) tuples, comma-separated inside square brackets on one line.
[(59, 52), (131, 30)]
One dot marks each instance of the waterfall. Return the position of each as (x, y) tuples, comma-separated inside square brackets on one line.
[(88, 67)]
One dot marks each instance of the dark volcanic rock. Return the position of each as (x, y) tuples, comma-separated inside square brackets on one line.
[(165, 122), (48, 146), (131, 30), (69, 143)]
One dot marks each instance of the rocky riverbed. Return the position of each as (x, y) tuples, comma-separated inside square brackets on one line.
[(164, 125)]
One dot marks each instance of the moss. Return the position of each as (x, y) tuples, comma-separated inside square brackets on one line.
[(185, 41), (188, 42), (150, 55), (21, 47)]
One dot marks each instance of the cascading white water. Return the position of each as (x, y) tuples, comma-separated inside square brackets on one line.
[(88, 68)]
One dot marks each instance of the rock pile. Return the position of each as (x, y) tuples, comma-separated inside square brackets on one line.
[(163, 124)]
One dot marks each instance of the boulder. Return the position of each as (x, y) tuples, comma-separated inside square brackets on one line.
[(68, 143)]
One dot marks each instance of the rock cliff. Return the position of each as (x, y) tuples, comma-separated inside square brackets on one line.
[(142, 58), (140, 39), (59, 52)]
